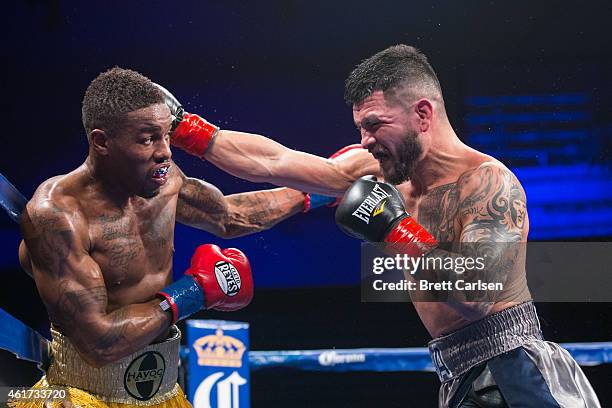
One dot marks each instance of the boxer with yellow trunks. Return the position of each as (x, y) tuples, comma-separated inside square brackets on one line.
[(98, 242)]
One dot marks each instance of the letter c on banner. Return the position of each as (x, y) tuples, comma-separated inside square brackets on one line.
[(227, 391)]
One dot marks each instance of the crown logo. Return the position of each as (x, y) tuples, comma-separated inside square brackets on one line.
[(219, 350)]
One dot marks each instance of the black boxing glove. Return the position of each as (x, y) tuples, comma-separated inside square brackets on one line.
[(374, 211), (190, 132), (176, 109)]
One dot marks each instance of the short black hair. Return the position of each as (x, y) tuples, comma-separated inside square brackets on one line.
[(394, 67), (114, 93)]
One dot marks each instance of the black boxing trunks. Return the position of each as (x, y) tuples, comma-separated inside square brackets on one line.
[(503, 361)]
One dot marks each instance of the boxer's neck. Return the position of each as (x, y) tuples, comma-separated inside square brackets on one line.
[(443, 158), (115, 187)]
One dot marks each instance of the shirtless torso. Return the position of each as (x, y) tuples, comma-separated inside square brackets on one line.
[(98, 241), (480, 202)]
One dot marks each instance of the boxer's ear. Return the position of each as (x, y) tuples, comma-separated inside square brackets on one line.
[(98, 139), (424, 110)]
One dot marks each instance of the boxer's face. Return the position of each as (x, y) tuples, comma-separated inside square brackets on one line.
[(388, 132), (139, 150)]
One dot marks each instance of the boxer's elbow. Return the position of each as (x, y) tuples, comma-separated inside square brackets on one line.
[(99, 347), (95, 355), (237, 231), (262, 170), (226, 233), (95, 358), (242, 221), (276, 168), (224, 229), (24, 258)]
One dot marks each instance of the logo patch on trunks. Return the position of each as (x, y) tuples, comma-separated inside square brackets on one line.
[(441, 368), (228, 278), (144, 375)]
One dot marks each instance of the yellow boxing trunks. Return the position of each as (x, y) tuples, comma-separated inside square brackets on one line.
[(144, 378)]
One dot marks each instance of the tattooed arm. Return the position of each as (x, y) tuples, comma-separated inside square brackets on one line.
[(72, 287), (493, 216), (488, 212), (202, 205)]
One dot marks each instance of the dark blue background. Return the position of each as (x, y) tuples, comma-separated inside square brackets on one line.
[(527, 81)]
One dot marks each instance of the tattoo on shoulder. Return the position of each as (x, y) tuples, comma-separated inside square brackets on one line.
[(50, 238), (518, 205), (493, 207), (198, 199), (488, 201)]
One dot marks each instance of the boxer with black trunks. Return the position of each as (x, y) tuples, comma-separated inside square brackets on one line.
[(99, 242), (488, 351)]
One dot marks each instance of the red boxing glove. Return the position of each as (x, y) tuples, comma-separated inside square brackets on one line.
[(193, 134), (224, 276)]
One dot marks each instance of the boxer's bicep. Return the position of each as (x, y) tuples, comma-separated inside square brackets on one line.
[(201, 205), (490, 226), (491, 206), (327, 176), (69, 281), (72, 286), (77, 303), (490, 231), (56, 244)]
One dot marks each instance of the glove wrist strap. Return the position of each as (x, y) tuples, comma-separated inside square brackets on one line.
[(194, 135), (184, 297), (312, 201), (408, 237)]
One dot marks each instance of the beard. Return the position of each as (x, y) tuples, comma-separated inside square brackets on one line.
[(402, 167)]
